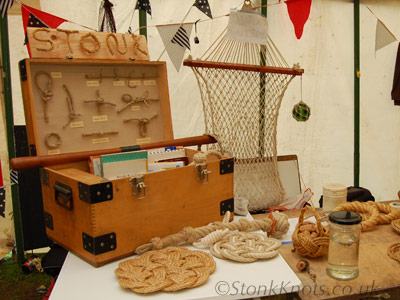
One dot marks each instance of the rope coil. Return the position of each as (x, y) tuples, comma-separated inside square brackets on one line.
[(276, 224)]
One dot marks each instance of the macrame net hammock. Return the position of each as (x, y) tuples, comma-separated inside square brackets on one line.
[(242, 85)]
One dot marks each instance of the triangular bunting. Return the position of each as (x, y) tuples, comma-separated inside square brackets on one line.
[(299, 11), (383, 36), (144, 5), (2, 202), (5, 5), (33, 17), (176, 40), (204, 7)]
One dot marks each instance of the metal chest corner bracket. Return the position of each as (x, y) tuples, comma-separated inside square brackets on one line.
[(95, 193), (202, 173), (138, 186), (226, 205), (100, 244)]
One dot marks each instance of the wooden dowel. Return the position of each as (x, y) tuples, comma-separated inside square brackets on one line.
[(29, 162), (252, 68)]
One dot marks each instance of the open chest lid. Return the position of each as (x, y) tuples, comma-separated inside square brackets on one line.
[(83, 105)]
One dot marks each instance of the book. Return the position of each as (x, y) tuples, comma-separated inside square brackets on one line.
[(155, 155), (124, 164), (95, 165), (160, 166)]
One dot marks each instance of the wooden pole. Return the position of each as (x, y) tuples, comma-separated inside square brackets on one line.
[(23, 163), (5, 53)]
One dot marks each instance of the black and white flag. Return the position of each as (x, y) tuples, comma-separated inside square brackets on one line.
[(5, 6), (204, 7), (2, 202), (181, 38), (144, 5), (14, 177), (176, 39)]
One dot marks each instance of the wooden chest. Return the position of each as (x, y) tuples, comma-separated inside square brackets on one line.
[(99, 219)]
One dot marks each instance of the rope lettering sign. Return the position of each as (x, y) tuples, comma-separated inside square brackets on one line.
[(59, 43)]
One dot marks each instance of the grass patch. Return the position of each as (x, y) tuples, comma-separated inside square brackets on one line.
[(16, 285)]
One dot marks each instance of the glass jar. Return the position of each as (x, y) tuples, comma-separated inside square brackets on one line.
[(344, 242)]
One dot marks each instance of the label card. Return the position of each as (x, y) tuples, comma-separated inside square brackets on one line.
[(143, 141), (52, 152), (118, 83), (100, 140), (102, 118), (149, 82), (92, 83), (135, 107), (56, 75), (76, 124)]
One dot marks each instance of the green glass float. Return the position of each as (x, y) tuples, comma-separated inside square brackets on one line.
[(301, 112)]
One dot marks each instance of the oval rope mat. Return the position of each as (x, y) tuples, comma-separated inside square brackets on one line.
[(246, 247), (169, 269)]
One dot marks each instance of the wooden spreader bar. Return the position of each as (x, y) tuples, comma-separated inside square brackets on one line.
[(242, 67)]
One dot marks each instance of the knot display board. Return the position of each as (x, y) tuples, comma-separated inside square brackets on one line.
[(170, 269), (60, 43)]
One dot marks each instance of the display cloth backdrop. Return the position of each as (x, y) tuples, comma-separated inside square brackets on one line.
[(324, 144)]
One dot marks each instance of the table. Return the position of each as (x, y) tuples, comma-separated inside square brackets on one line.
[(378, 272), (79, 280)]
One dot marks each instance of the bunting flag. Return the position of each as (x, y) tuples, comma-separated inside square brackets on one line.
[(204, 7), (33, 17), (181, 38), (5, 5), (2, 195), (144, 5), (14, 177), (299, 11), (2, 202), (383, 36), (176, 41), (106, 19), (396, 79)]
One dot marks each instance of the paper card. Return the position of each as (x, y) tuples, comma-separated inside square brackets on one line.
[(101, 118), (56, 75), (126, 164), (100, 140), (76, 124), (118, 83), (92, 83), (53, 152)]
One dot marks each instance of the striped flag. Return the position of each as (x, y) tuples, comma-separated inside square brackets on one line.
[(181, 38), (14, 176), (175, 38), (5, 6)]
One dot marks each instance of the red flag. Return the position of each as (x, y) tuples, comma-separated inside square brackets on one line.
[(299, 11), (1, 176), (33, 17)]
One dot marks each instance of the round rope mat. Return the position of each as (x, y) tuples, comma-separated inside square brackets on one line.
[(246, 247), (396, 225), (169, 269), (394, 252)]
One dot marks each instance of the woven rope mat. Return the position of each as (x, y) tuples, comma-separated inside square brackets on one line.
[(394, 252), (169, 269), (396, 225), (246, 247)]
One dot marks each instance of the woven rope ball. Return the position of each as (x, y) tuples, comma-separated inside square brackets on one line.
[(169, 269), (310, 239)]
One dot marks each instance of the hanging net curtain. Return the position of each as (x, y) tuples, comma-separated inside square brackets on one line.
[(242, 85)]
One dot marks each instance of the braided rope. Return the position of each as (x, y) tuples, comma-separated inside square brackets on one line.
[(246, 247), (362, 207), (276, 224), (396, 225), (170, 269), (394, 252), (310, 239)]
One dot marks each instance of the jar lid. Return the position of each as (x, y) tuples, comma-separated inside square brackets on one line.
[(345, 217)]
